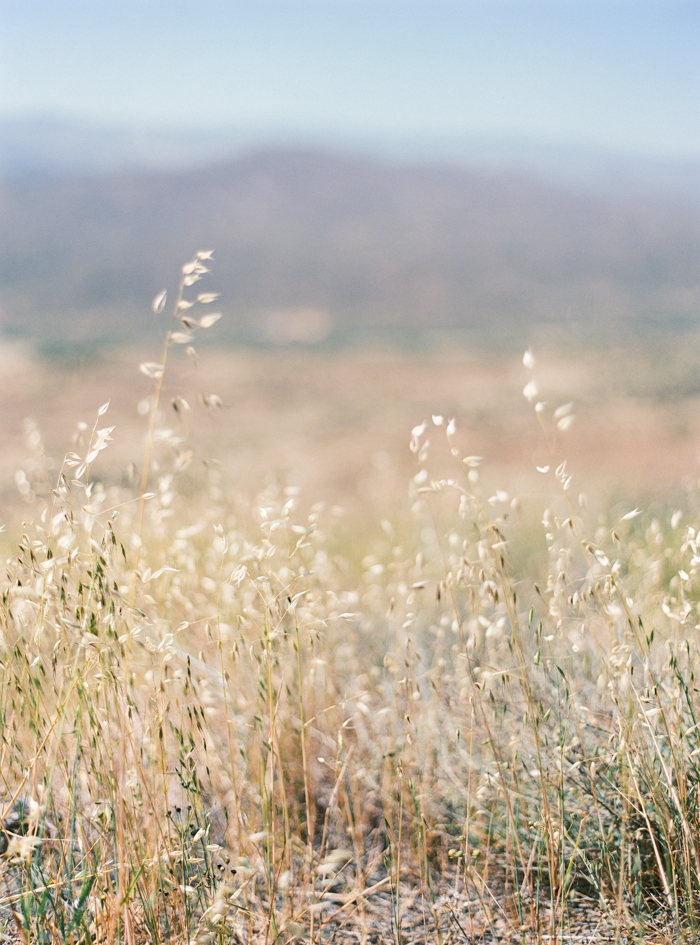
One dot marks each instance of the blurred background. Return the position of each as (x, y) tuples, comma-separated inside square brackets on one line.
[(402, 196)]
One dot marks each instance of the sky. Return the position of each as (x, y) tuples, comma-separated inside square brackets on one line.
[(620, 76)]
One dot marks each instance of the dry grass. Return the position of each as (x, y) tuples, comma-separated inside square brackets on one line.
[(235, 716)]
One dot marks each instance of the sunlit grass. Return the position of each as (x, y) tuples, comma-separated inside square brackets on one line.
[(225, 722)]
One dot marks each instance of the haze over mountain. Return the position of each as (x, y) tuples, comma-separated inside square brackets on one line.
[(32, 145), (313, 246)]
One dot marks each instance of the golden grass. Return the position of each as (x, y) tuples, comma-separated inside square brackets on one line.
[(234, 715)]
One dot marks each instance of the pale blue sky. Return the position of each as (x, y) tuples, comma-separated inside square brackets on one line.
[(617, 75)]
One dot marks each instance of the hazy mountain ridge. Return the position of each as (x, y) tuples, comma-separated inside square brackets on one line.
[(350, 247), (50, 145)]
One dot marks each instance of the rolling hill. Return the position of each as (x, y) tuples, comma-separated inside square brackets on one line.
[(314, 246)]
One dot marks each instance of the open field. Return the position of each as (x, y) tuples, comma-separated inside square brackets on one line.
[(337, 425), (329, 681)]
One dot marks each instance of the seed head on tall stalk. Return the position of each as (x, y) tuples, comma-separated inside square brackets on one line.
[(181, 330)]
